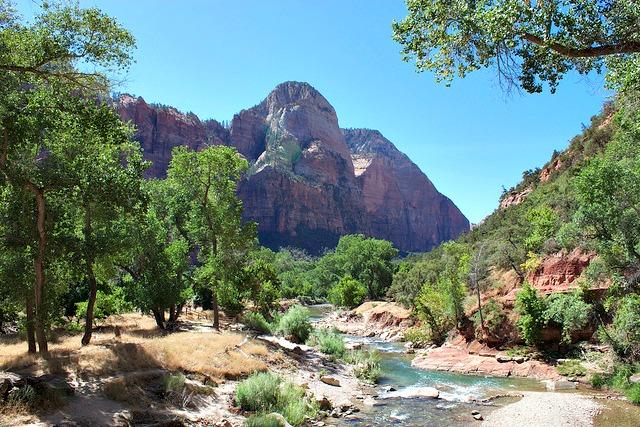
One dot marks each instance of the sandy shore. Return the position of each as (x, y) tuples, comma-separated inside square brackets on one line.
[(540, 409)]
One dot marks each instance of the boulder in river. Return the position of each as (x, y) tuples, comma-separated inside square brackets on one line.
[(415, 392)]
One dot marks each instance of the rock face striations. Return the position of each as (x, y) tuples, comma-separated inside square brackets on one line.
[(309, 181)]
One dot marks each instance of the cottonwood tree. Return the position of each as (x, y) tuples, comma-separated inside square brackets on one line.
[(105, 175), (209, 179), (367, 260), (43, 77), (528, 42), (159, 259)]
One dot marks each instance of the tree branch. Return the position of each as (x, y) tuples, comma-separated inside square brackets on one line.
[(588, 52)]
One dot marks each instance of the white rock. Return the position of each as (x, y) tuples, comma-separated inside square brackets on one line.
[(415, 392)]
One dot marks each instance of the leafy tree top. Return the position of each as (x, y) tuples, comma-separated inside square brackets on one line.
[(529, 42)]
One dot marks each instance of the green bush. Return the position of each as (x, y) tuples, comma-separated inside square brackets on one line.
[(295, 324), (572, 368), (328, 342), (267, 392), (568, 310), (531, 308), (257, 322), (348, 292), (107, 304), (624, 332), (597, 381), (262, 421), (493, 316), (419, 336), (366, 364), (431, 306), (259, 392), (633, 393), (174, 383)]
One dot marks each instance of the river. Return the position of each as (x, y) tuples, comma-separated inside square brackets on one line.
[(457, 392)]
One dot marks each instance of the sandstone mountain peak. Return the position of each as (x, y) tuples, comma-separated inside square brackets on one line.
[(309, 181)]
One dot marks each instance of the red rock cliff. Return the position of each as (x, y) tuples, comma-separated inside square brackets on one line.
[(309, 181)]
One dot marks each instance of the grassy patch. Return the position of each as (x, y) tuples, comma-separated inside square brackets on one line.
[(571, 368), (295, 325), (267, 392), (366, 364), (262, 420), (328, 342), (257, 322)]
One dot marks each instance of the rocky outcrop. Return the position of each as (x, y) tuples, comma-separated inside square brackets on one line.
[(474, 359), (385, 320), (559, 272), (515, 198), (309, 181), (159, 129)]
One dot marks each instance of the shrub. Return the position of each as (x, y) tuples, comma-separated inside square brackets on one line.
[(348, 292), (293, 405), (173, 383), (419, 336), (328, 342), (569, 311), (633, 393), (106, 304), (259, 392), (267, 392), (493, 317), (295, 324), (624, 332), (597, 381), (366, 364), (531, 308), (257, 322), (572, 368), (431, 306), (262, 421)]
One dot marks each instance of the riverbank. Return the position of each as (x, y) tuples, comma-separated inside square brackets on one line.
[(541, 409), (135, 374)]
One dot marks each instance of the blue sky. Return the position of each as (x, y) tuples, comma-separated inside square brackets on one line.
[(216, 57)]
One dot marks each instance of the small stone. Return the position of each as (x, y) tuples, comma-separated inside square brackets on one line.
[(324, 403), (634, 379), (475, 412), (332, 381), (478, 417), (519, 359), (369, 401), (503, 359)]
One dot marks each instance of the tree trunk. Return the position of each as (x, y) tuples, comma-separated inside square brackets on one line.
[(91, 302), (39, 269), (172, 313), (179, 310), (31, 335), (159, 316), (216, 310), (480, 308), (91, 277)]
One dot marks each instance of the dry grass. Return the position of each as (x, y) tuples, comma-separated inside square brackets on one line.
[(141, 346)]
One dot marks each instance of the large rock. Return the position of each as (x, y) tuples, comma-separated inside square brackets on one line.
[(309, 182), (414, 392)]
